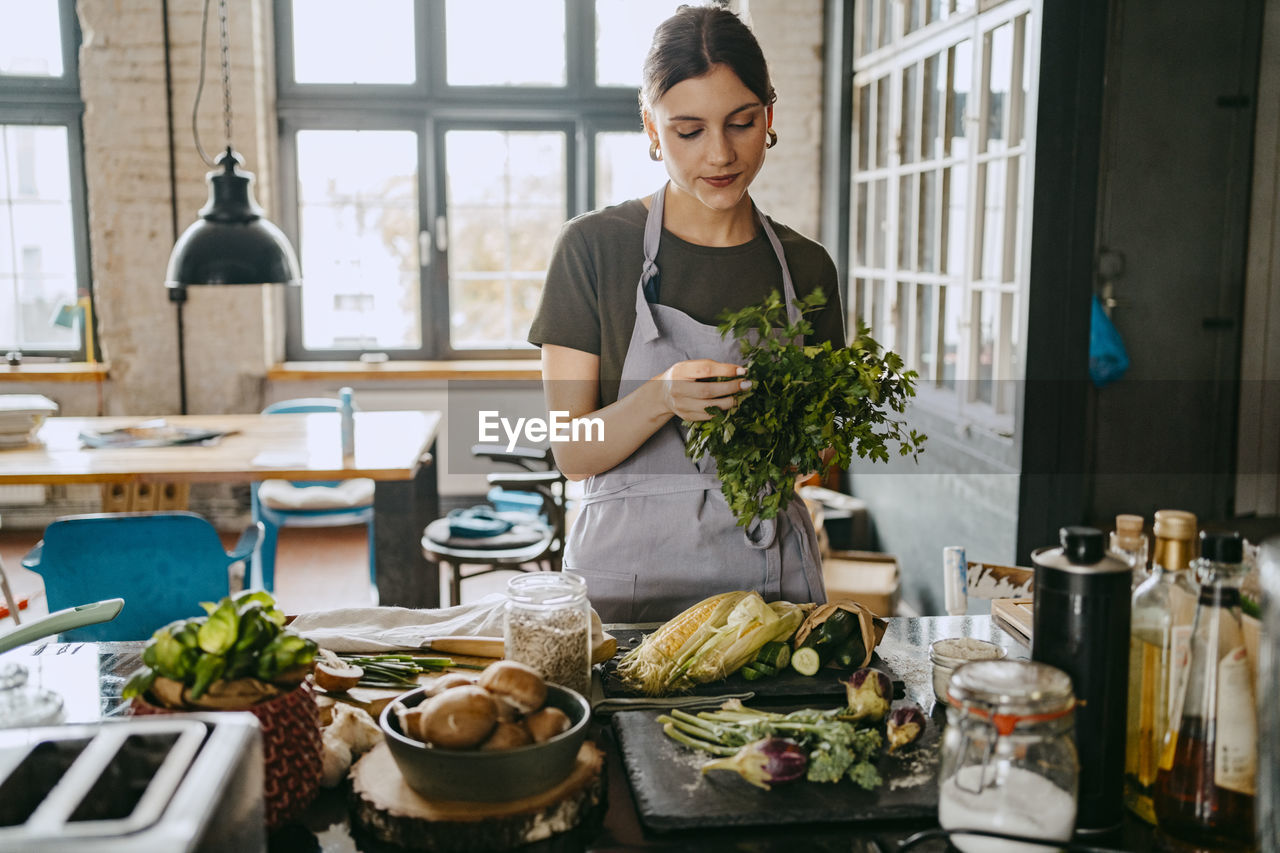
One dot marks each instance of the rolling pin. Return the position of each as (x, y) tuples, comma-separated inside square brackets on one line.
[(491, 647)]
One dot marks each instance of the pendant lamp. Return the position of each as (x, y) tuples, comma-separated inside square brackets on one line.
[(232, 242)]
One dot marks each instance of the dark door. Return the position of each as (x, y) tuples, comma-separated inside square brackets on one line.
[(1173, 213)]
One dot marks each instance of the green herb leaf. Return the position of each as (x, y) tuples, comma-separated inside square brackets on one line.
[(803, 400)]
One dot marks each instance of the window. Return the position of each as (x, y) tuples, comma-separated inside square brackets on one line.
[(43, 240), (431, 150), (942, 112)]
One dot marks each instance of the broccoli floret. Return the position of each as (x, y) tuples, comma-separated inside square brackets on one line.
[(864, 775), (828, 763), (866, 743)]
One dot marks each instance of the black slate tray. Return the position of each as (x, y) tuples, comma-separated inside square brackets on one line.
[(672, 794), (787, 684)]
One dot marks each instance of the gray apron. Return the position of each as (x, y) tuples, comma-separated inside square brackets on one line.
[(654, 534)]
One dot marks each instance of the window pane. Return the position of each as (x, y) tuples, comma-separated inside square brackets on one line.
[(623, 168), (1000, 75), (331, 45), (358, 235), (951, 310), (863, 98), (30, 38), (506, 195), (879, 315), (860, 226), (909, 141), (879, 222), (987, 311), (931, 112), (993, 233), (957, 142), (882, 122), (927, 257), (906, 218), (37, 238), (505, 43), (624, 29), (866, 35), (925, 361), (857, 308), (955, 191)]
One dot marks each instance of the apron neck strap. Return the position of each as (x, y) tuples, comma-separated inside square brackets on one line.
[(650, 277)]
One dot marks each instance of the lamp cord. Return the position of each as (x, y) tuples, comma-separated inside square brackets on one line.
[(225, 39)]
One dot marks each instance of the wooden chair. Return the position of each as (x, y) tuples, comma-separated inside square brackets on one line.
[(534, 541)]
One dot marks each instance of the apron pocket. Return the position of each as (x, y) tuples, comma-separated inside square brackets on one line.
[(612, 594)]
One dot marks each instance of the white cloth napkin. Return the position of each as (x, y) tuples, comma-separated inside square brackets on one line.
[(385, 629)]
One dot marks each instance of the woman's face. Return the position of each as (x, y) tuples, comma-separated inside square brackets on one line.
[(711, 130)]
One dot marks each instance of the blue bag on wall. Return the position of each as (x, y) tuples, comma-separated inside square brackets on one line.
[(1108, 359)]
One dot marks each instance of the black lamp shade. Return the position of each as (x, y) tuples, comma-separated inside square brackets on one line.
[(232, 242)]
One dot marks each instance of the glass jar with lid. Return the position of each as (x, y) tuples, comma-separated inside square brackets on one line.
[(1008, 758), (548, 627), (22, 704)]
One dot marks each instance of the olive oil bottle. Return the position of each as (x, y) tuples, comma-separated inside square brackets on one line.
[(1163, 610)]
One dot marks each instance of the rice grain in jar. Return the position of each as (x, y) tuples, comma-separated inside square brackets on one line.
[(548, 627)]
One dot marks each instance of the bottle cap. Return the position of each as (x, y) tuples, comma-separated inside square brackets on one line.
[(1175, 524), (1082, 546), (1130, 524), (1220, 546)]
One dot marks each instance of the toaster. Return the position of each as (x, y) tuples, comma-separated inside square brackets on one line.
[(180, 782)]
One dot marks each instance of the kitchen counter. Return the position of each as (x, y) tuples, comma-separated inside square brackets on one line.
[(90, 677)]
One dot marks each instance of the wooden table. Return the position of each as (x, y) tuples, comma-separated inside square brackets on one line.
[(392, 448)]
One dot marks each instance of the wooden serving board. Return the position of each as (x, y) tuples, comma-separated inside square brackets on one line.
[(672, 793), (387, 808), (786, 685)]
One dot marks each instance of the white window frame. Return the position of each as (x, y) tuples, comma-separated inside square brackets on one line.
[(893, 51)]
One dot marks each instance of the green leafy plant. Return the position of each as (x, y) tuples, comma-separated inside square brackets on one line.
[(803, 401), (240, 638)]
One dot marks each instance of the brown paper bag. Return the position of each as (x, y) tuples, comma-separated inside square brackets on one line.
[(873, 627)]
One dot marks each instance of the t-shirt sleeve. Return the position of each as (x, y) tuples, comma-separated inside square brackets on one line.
[(828, 324), (567, 313)]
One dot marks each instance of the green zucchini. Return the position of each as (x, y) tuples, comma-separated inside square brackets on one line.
[(837, 627), (850, 653), (750, 673), (764, 669), (806, 661), (776, 654)]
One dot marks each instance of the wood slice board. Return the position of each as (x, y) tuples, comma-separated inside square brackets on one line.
[(787, 684), (1015, 613), (673, 794), (389, 810)]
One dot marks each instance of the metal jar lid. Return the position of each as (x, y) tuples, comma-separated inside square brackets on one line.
[(1010, 692)]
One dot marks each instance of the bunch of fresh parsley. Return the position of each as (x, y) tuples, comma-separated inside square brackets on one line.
[(802, 401)]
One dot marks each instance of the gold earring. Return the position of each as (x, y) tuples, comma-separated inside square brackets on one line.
[(655, 153), (773, 138)]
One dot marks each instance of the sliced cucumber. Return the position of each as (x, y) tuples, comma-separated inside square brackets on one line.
[(764, 669), (775, 654), (750, 673), (806, 661)]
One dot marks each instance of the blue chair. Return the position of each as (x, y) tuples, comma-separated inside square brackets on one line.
[(330, 503), (163, 564)]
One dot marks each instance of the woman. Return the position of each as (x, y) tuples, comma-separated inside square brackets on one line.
[(655, 534)]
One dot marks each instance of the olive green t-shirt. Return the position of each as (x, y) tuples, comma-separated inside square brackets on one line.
[(589, 301)]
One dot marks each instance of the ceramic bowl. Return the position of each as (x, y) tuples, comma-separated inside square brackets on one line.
[(497, 776), (946, 655)]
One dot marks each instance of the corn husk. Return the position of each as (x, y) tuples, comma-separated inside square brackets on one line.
[(707, 642)]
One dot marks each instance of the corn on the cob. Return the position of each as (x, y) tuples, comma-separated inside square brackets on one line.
[(649, 666), (709, 641)]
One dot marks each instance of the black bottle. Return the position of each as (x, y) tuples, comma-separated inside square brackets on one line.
[(1080, 624)]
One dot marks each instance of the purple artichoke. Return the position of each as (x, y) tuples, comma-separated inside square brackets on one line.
[(906, 723), (772, 760), (868, 693)]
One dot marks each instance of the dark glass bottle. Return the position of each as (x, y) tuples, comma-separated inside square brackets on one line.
[(1205, 785)]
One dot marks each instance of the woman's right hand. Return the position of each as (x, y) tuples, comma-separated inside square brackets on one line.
[(689, 388)]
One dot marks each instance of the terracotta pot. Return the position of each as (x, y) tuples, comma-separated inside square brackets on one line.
[(290, 747)]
